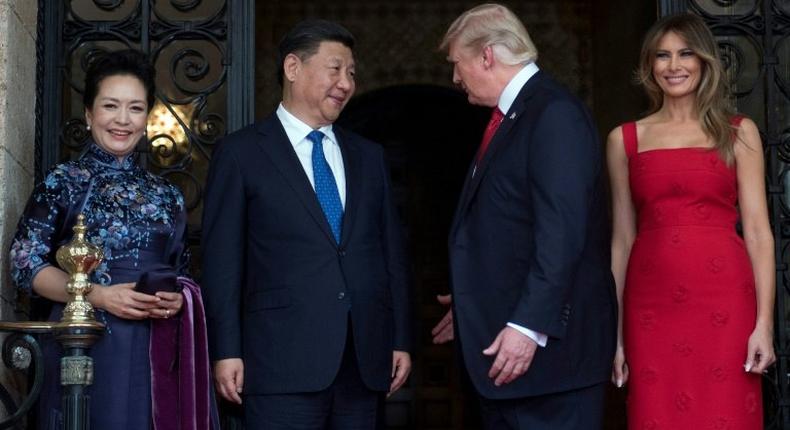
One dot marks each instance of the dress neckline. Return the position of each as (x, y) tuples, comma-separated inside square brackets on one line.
[(104, 158), (695, 148)]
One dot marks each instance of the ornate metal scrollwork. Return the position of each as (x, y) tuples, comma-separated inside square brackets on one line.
[(191, 55), (185, 5), (108, 5), (21, 353)]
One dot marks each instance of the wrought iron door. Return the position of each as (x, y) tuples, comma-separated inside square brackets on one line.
[(754, 39), (203, 53)]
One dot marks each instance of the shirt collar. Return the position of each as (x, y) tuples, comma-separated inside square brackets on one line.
[(513, 87), (297, 130)]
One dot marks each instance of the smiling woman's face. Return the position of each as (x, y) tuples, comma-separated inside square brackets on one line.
[(676, 68), (118, 115)]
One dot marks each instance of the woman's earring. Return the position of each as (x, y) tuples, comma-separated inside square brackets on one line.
[(88, 127)]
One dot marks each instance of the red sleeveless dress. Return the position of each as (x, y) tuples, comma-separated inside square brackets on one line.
[(689, 298)]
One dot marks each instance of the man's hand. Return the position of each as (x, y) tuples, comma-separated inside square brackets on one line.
[(401, 367), (443, 331), (229, 378), (514, 352)]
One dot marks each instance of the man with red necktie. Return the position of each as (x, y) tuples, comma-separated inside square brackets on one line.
[(533, 301)]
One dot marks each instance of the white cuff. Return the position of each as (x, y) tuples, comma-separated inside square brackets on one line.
[(539, 338)]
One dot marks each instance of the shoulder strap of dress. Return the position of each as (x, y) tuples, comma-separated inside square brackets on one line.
[(736, 120), (629, 138)]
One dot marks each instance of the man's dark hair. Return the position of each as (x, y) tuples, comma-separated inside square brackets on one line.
[(304, 39), (126, 62)]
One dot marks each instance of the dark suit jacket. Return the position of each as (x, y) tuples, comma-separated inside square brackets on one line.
[(530, 245), (278, 288)]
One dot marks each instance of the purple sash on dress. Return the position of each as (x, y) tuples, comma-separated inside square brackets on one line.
[(180, 380)]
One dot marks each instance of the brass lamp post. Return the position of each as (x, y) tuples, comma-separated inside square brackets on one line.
[(77, 331)]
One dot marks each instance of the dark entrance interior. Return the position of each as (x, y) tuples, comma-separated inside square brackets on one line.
[(429, 134)]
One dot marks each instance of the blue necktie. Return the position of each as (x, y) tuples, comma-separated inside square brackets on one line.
[(325, 185)]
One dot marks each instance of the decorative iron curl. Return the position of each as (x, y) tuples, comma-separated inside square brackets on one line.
[(75, 133), (108, 5), (74, 24), (783, 146), (91, 56), (167, 150), (88, 57), (25, 345), (190, 136), (185, 5), (194, 70), (201, 135), (781, 12), (732, 58), (750, 18), (163, 26), (210, 127), (191, 200), (732, 53), (194, 64), (783, 80)]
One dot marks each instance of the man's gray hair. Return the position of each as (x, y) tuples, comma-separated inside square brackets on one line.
[(496, 26)]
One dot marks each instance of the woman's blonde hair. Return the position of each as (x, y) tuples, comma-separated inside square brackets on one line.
[(496, 26), (713, 100)]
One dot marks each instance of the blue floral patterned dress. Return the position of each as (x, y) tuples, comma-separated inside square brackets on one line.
[(139, 221)]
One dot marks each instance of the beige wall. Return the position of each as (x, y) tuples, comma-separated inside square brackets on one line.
[(17, 126)]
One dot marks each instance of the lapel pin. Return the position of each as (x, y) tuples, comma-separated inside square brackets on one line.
[(513, 115)]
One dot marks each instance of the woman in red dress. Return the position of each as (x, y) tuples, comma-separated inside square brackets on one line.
[(696, 298)]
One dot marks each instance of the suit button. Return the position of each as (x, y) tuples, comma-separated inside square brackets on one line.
[(341, 295), (341, 252)]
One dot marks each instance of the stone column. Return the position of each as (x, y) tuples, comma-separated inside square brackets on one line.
[(17, 126), (17, 141)]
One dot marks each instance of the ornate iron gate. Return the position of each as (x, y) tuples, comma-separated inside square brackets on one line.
[(204, 55), (754, 38)]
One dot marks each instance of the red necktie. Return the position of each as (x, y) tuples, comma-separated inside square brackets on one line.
[(493, 124)]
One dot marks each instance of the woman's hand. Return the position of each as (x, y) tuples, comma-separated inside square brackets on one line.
[(760, 350), (169, 304), (124, 302), (619, 367)]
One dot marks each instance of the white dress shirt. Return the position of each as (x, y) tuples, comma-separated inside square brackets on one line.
[(506, 100), (297, 132)]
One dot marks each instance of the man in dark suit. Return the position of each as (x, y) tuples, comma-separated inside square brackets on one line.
[(304, 272), (533, 296)]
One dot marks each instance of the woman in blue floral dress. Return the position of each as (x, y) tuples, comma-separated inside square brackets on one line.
[(139, 221)]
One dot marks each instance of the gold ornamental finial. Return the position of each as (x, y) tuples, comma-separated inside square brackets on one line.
[(79, 258)]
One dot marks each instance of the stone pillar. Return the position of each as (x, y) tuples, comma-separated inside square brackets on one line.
[(17, 143), (17, 127)]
